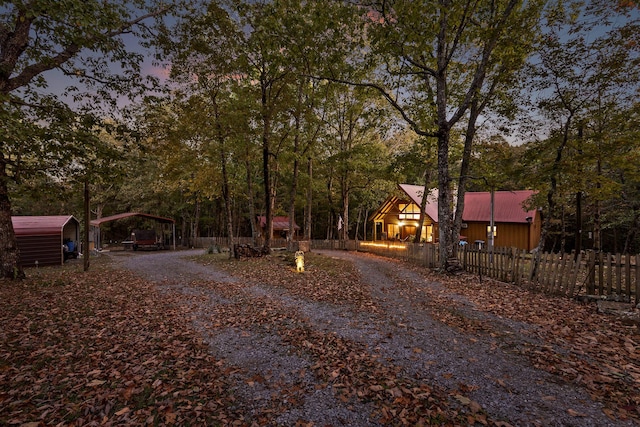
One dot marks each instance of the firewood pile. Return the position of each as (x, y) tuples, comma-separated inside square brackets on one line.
[(249, 251)]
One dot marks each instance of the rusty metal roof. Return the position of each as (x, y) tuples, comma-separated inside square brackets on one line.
[(97, 222), (280, 223), (40, 225)]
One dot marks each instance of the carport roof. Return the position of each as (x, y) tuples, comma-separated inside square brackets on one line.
[(40, 225), (97, 222)]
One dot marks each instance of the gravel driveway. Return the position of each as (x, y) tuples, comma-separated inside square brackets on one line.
[(271, 377)]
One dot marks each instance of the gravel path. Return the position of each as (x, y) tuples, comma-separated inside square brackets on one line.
[(269, 374)]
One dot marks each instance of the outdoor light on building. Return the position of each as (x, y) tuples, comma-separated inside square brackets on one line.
[(300, 261), (385, 245), (489, 231)]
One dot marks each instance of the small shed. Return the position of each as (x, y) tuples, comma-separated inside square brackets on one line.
[(280, 226), (41, 238)]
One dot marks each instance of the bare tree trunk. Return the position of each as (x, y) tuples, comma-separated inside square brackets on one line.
[(307, 222), (269, 191), (597, 228), (195, 227), (292, 195), (332, 212), (474, 112), (251, 201), (578, 234), (358, 222), (9, 253), (226, 186), (578, 231), (226, 195), (366, 217), (633, 230), (447, 255), (292, 203), (183, 235), (344, 233), (87, 220)]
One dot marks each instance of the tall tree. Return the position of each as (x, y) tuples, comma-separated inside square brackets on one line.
[(38, 36), (354, 145), (585, 70), (204, 56), (441, 64)]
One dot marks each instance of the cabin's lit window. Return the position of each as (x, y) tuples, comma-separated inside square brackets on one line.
[(394, 231), (409, 211)]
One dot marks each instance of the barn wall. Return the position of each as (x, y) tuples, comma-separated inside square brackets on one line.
[(508, 235), (47, 250)]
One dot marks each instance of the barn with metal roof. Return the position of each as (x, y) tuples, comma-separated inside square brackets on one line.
[(41, 239)]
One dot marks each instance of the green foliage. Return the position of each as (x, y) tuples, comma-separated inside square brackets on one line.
[(261, 83)]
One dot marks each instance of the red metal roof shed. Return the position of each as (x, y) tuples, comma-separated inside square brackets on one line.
[(40, 238), (280, 223)]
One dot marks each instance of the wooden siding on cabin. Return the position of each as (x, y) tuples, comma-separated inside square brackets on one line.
[(507, 235), (46, 250)]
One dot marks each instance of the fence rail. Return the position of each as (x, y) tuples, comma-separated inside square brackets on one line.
[(588, 273)]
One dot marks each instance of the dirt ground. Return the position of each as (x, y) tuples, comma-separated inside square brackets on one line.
[(379, 342)]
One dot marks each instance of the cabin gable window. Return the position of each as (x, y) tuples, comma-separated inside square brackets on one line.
[(409, 211)]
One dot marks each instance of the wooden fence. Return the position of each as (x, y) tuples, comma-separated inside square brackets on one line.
[(588, 273), (206, 242)]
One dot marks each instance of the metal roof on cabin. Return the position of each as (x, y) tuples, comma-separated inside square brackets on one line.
[(97, 222), (477, 205), (507, 206), (415, 193), (40, 225)]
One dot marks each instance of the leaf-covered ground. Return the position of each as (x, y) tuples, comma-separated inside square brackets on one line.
[(155, 339)]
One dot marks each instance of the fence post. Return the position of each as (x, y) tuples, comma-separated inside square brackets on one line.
[(591, 273), (619, 274), (533, 267), (637, 284), (577, 264), (516, 266), (627, 275)]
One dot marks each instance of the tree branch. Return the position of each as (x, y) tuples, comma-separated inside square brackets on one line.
[(18, 41), (414, 125)]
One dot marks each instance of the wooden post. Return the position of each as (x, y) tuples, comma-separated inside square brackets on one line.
[(609, 268), (574, 278), (591, 273), (87, 219), (619, 274), (518, 263), (627, 274), (601, 273), (637, 301)]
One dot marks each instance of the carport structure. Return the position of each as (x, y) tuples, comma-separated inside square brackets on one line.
[(95, 224), (41, 239)]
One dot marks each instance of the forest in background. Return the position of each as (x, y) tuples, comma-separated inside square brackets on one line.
[(317, 110)]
